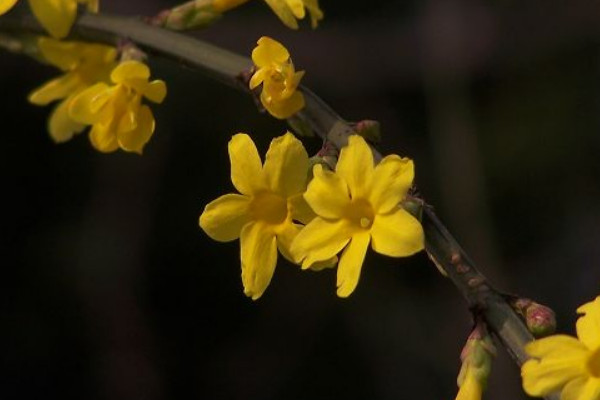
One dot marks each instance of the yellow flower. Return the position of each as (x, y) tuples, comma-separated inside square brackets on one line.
[(290, 10), (279, 79), (470, 387), (263, 215), (84, 64), (116, 114), (567, 364), (476, 366), (56, 16), (355, 205)]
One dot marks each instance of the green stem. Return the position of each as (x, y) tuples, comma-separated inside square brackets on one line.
[(226, 67)]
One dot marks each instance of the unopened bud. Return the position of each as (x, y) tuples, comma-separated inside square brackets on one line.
[(190, 15), (540, 319), (476, 357), (369, 129)]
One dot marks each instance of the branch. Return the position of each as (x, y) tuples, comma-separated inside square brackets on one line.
[(226, 67)]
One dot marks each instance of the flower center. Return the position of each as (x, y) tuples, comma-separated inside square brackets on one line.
[(269, 207), (360, 213), (593, 364)]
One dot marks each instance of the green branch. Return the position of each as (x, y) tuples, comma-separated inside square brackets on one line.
[(226, 67)]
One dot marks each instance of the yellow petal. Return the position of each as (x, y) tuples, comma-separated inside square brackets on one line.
[(130, 69), (284, 108), (155, 91), (588, 325), (572, 389), (258, 77), (86, 106), (321, 265), (60, 125), (581, 389), (327, 193), (300, 210), (316, 14), (104, 138), (559, 359), (355, 165), (269, 51), (259, 257), (297, 8), (320, 240), (224, 218), (470, 389), (350, 264), (136, 139), (397, 234), (392, 178), (286, 166), (286, 234), (56, 16), (63, 55), (6, 5), (282, 10), (246, 167), (55, 89), (291, 84)]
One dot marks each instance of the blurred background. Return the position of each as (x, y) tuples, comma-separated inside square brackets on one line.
[(110, 290)]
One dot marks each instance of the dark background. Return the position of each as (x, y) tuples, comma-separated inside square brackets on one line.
[(110, 290)]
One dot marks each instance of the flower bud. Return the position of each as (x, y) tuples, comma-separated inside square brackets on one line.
[(540, 319)]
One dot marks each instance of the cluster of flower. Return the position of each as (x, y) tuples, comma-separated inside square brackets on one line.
[(310, 222), (315, 214)]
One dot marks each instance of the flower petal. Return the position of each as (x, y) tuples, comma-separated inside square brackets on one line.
[(224, 218), (297, 7), (286, 166), (6, 5), (86, 106), (130, 69), (300, 210), (397, 234), (259, 257), (155, 91), (588, 325), (572, 389), (327, 193), (56, 16), (285, 108), (270, 51), (63, 55), (392, 178), (55, 89), (558, 359), (103, 137), (286, 234), (320, 240), (60, 125), (355, 165), (350, 264), (316, 14), (470, 389), (136, 139), (258, 77), (246, 167), (581, 389)]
